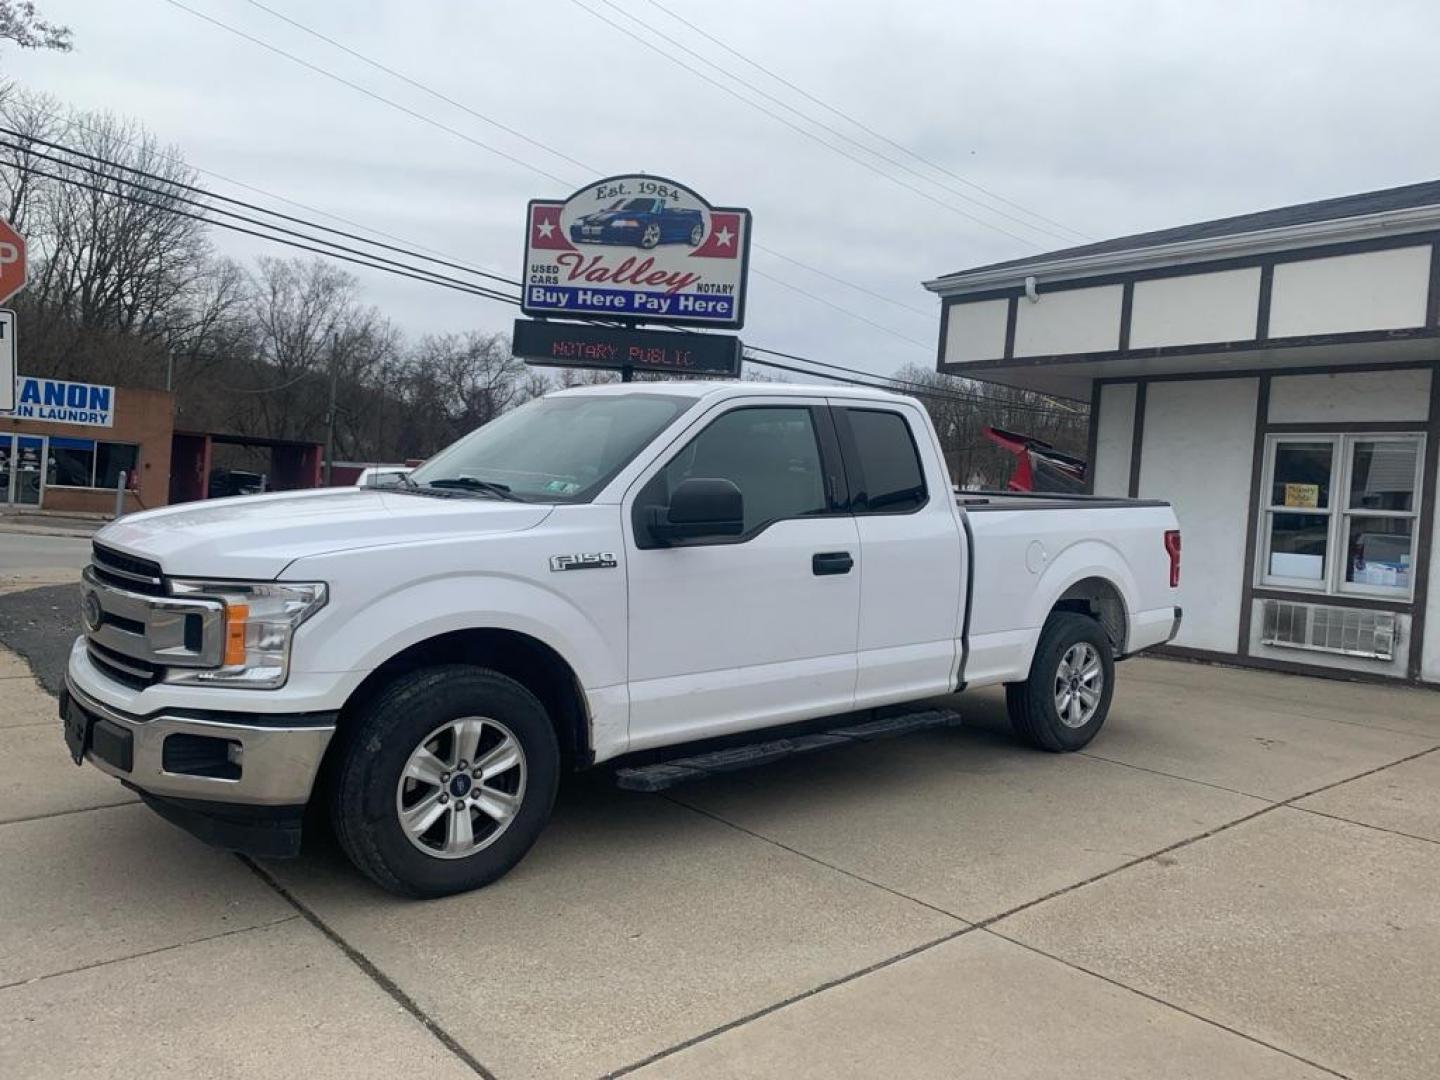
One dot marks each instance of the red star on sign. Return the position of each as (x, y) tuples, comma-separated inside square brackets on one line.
[(545, 231), (724, 239)]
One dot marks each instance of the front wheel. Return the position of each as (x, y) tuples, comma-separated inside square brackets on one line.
[(650, 237), (1063, 703), (444, 780)]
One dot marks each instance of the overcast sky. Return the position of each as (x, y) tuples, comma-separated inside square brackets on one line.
[(1108, 117)]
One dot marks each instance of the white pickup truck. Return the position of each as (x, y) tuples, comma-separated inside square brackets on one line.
[(601, 573)]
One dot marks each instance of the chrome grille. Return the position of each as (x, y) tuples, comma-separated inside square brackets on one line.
[(1319, 628), (136, 674), (135, 630), (126, 571)]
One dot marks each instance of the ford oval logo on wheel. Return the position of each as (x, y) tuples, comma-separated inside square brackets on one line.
[(91, 613)]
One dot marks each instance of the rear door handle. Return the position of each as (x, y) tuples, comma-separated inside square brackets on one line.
[(832, 562)]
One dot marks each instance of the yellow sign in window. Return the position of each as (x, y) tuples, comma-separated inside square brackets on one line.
[(1306, 496)]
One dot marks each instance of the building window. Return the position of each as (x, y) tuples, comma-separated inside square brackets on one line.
[(1340, 513), (86, 463)]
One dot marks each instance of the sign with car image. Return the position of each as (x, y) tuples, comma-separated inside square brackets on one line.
[(637, 248)]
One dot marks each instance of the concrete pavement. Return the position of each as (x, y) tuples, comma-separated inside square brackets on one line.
[(1237, 879)]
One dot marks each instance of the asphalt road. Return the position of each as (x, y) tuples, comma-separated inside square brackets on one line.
[(21, 552), (40, 624)]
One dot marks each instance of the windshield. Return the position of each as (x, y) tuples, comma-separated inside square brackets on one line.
[(556, 449), (640, 204)]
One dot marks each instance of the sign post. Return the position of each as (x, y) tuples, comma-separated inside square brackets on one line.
[(12, 280), (631, 250)]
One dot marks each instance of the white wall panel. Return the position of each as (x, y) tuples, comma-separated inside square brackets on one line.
[(1378, 290), (1069, 321), (976, 331), (1354, 396), (1111, 466), (1196, 308), (1197, 451)]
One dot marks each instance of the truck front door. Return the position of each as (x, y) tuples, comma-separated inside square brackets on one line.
[(737, 632)]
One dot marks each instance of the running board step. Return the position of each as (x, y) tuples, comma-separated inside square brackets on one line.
[(665, 774)]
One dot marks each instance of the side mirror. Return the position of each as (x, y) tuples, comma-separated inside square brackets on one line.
[(699, 508)]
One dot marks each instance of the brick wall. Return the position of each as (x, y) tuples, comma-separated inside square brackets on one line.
[(145, 417)]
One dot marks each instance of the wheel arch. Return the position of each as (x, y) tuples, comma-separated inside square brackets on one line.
[(1102, 601), (531, 662)]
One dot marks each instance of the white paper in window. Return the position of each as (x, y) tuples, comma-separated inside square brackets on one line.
[(1306, 567)]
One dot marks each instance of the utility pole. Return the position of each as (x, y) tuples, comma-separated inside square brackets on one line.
[(330, 416)]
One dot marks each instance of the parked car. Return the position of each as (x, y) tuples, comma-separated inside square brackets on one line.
[(227, 482), (642, 223), (383, 475), (606, 572)]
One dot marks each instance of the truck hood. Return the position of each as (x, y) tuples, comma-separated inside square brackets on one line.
[(256, 536)]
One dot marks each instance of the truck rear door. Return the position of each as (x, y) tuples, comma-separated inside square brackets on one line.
[(913, 550)]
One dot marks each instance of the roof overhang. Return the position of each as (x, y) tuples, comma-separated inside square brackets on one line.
[(1259, 242), (1074, 377)]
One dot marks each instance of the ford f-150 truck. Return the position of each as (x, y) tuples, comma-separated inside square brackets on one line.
[(592, 577)]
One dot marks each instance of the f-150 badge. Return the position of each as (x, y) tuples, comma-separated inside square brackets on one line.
[(595, 560)]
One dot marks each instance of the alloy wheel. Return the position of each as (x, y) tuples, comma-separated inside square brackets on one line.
[(461, 787), (1079, 684)]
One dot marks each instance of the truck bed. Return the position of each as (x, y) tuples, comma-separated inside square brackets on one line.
[(976, 500)]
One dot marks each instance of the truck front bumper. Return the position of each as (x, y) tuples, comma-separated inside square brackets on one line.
[(236, 780)]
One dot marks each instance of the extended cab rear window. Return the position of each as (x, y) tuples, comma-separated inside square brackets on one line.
[(882, 463)]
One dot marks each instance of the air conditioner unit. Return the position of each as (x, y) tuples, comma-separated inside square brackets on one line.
[(1322, 628)]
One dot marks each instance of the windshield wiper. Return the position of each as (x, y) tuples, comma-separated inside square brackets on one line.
[(471, 483)]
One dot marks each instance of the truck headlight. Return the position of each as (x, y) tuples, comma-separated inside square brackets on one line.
[(260, 622)]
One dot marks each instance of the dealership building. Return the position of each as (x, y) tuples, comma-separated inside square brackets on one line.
[(1275, 376)]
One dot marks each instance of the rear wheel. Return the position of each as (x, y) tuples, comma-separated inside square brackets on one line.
[(697, 233), (444, 780), (650, 237), (1063, 703)]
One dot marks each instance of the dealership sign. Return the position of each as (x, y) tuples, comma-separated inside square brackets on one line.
[(558, 344), (62, 402), (637, 248)]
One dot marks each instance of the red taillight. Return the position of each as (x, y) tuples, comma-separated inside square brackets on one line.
[(1172, 548)]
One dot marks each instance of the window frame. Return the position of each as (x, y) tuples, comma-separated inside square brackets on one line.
[(854, 468), (1338, 515), (832, 475)]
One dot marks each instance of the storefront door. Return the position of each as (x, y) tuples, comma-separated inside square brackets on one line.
[(27, 470)]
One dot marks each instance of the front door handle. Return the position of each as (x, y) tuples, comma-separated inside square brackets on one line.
[(832, 562)]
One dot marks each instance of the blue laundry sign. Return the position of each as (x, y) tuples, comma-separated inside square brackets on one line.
[(62, 402)]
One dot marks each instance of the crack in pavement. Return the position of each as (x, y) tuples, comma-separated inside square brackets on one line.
[(391, 988), (985, 924), (147, 952)]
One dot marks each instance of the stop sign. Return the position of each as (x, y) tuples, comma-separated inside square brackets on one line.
[(12, 261)]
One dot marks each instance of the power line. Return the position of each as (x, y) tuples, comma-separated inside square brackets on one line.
[(376, 259), (415, 273), (795, 127), (842, 374), (417, 84), (367, 92), (29, 139), (79, 122), (837, 133), (910, 386), (588, 168), (850, 119)]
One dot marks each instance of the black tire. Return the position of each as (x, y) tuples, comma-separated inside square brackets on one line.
[(1033, 707), (650, 237), (378, 742), (697, 234)]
